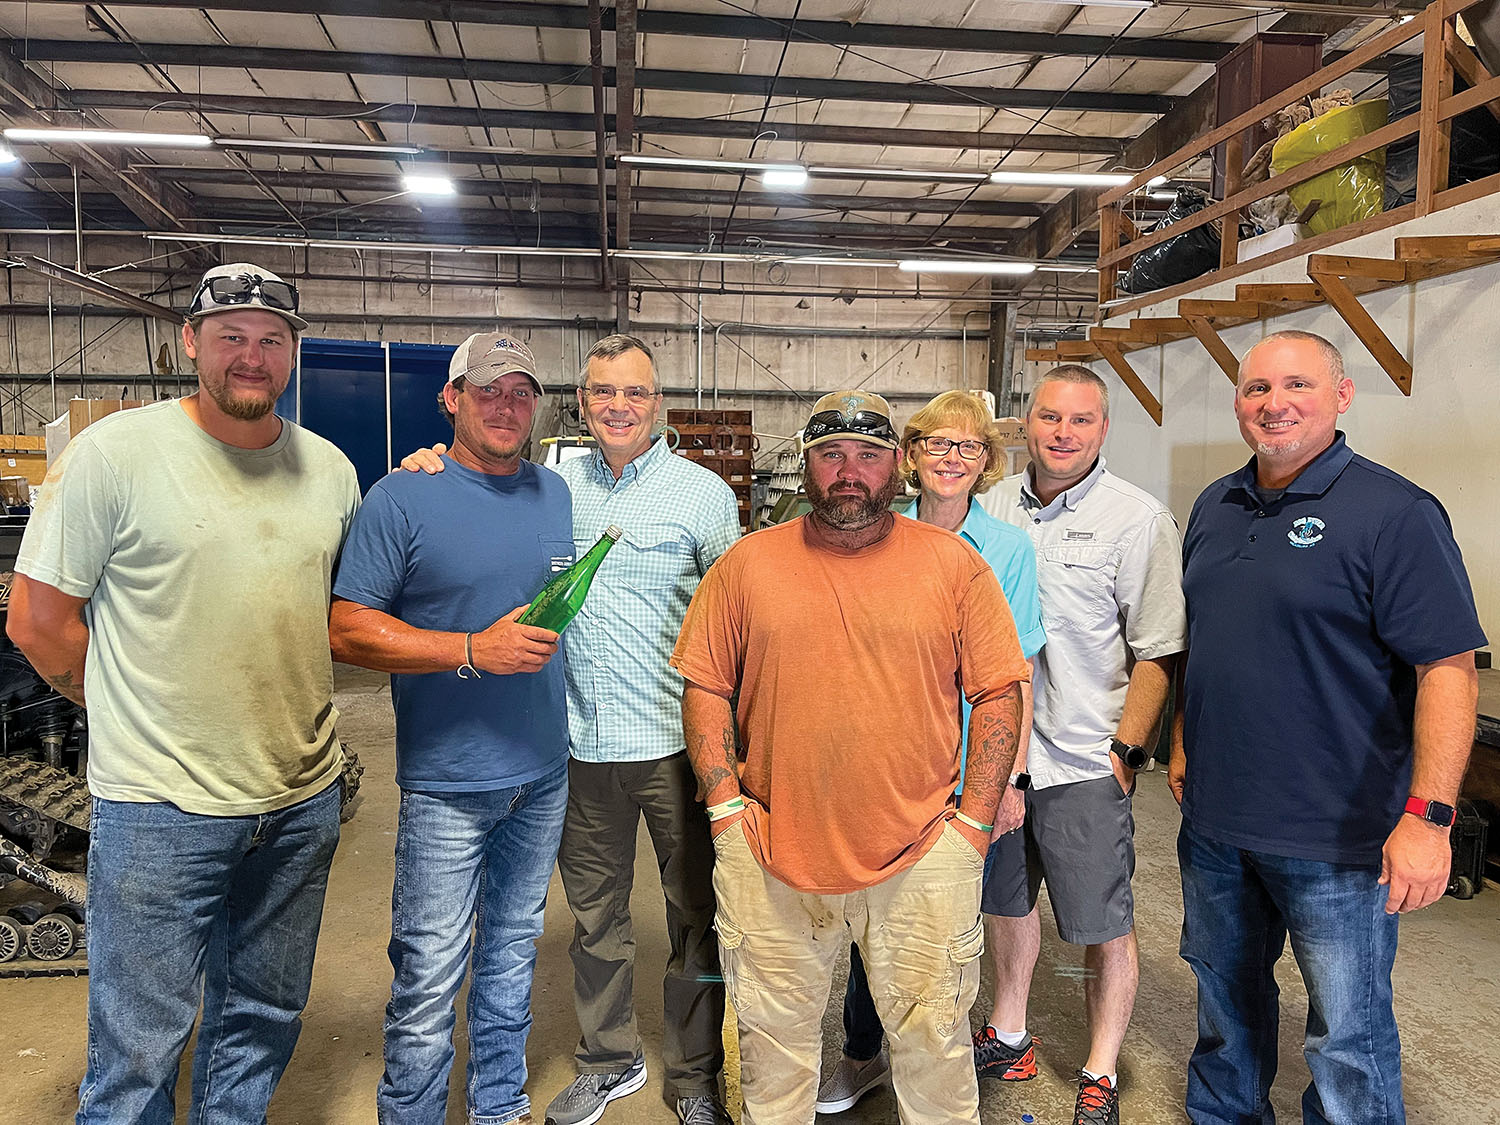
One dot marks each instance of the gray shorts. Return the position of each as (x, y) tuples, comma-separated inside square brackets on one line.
[(1080, 838)]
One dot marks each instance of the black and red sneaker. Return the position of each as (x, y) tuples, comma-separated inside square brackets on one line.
[(993, 1059), (1098, 1102)]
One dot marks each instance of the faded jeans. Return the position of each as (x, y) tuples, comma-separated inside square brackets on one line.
[(471, 874), (921, 936), (1239, 907), (183, 905)]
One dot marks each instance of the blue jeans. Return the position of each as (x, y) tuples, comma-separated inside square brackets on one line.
[(1238, 909), (182, 904), (471, 868), (863, 1031)]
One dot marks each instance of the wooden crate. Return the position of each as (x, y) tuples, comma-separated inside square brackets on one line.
[(723, 442)]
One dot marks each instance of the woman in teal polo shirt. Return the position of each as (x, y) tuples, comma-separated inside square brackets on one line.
[(951, 450)]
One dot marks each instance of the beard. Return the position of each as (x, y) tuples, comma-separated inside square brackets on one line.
[(851, 511), (249, 407)]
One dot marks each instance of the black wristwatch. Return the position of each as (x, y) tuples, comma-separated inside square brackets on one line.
[(1133, 756), (1021, 781), (1435, 812)]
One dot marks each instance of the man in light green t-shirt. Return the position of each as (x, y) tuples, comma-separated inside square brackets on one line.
[(175, 577)]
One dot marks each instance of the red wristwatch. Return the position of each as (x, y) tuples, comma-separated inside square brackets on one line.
[(1435, 812)]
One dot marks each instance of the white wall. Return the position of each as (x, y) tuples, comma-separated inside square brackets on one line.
[(1445, 437)]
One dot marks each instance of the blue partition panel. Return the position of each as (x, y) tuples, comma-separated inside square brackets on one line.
[(341, 392), (418, 372)]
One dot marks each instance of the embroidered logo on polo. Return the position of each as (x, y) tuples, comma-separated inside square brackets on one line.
[(1078, 536), (561, 563), (1306, 532)]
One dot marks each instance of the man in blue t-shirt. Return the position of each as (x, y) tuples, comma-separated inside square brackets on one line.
[(1328, 707), (434, 574)]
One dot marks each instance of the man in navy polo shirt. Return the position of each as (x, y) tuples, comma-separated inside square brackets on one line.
[(1328, 708)]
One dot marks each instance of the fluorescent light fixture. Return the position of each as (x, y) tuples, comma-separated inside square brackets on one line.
[(1162, 196), (709, 163), (961, 265), (428, 185), (821, 260), (320, 146), (1062, 179), (108, 137), (1141, 4), (1061, 267), (784, 178), (7, 156), (535, 251), (934, 174)]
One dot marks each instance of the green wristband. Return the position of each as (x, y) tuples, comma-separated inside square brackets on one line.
[(972, 823)]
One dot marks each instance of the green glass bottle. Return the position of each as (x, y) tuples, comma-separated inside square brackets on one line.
[(559, 600)]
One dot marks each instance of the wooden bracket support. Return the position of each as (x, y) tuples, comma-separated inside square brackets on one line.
[(1363, 325), (1116, 359), (1209, 337)]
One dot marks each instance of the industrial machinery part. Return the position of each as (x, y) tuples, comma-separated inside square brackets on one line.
[(10, 938), (54, 937)]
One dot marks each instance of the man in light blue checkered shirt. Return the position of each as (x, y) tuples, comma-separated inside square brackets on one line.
[(625, 735), (625, 731)]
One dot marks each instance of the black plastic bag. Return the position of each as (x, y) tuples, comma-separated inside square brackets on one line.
[(1190, 254), (1474, 146)]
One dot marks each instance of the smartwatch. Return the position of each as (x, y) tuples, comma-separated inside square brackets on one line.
[(1021, 781), (1434, 812), (1133, 756)]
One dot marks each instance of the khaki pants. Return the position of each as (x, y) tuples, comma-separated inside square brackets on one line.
[(921, 938)]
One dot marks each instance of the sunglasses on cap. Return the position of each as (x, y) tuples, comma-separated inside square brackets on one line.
[(867, 423), (242, 290)]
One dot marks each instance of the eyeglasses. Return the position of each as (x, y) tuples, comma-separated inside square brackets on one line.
[(602, 393), (939, 447), (864, 423), (242, 289)]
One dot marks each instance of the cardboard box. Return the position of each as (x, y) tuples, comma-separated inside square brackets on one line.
[(23, 455), (1271, 240), (15, 492), (1012, 431)]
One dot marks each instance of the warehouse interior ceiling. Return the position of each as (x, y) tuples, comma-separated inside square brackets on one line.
[(301, 121)]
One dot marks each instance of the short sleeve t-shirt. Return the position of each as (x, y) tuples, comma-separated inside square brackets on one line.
[(206, 568), (1306, 616), (850, 667), (455, 552)]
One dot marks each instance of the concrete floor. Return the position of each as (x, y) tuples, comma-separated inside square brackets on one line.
[(1446, 988)]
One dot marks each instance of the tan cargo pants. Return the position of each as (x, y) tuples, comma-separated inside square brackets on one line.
[(921, 938)]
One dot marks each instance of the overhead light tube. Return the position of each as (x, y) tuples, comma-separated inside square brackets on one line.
[(960, 265), (108, 137)]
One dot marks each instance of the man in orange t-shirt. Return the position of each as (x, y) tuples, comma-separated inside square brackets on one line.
[(850, 635)]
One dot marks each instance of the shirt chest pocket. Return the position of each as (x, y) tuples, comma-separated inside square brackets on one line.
[(651, 559), (1077, 585)]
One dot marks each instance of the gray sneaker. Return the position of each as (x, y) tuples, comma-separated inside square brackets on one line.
[(583, 1102), (852, 1080), (701, 1109)]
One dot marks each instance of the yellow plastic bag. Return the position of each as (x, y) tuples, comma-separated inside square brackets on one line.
[(1349, 192)]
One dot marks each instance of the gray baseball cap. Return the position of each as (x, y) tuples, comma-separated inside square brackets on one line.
[(244, 285), (485, 356)]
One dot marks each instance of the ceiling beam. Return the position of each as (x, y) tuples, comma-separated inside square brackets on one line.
[(30, 209), (565, 74), (722, 128), (838, 33), (624, 83), (156, 204), (802, 201)]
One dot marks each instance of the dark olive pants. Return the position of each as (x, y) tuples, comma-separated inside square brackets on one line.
[(597, 861)]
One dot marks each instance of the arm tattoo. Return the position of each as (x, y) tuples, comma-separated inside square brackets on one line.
[(715, 766), (67, 686), (994, 734)]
